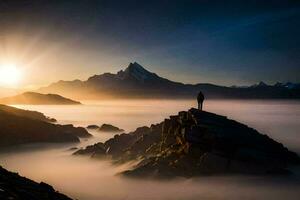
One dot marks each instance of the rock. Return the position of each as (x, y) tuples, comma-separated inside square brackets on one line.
[(16, 187), (195, 143), (115, 146), (110, 128), (93, 127), (78, 131), (96, 149)]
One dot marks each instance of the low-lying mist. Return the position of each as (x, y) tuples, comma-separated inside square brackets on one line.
[(90, 179), (278, 119), (87, 179)]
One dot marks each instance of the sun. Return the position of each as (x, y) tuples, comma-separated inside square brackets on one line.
[(9, 74)]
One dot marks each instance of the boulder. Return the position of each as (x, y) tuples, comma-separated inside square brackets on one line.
[(110, 128), (93, 127)]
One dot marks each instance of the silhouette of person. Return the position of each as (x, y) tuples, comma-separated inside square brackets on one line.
[(200, 99)]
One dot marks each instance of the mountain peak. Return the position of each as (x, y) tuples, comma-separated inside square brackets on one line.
[(135, 64), (137, 72), (260, 84), (135, 67)]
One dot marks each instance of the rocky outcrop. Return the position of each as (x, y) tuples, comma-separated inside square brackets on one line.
[(34, 98), (97, 149), (15, 187), (77, 131), (105, 128), (20, 129), (93, 126), (195, 143), (110, 128)]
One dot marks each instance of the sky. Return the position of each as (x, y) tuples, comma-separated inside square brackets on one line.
[(220, 42)]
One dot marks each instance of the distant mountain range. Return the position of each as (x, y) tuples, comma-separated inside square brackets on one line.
[(34, 98), (288, 85), (137, 82)]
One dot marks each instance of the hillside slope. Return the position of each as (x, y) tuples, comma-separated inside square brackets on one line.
[(16, 129), (37, 99)]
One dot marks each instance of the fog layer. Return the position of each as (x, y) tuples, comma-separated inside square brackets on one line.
[(85, 178)]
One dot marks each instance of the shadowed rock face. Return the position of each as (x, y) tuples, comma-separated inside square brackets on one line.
[(197, 143), (16, 129), (15, 187)]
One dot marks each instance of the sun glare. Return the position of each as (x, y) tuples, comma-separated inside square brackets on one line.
[(9, 74)]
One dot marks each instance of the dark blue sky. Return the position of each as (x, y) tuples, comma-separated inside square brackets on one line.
[(224, 42)]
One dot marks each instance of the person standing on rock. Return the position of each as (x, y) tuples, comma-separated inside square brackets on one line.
[(200, 100)]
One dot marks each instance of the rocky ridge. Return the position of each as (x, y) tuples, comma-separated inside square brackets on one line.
[(195, 143)]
